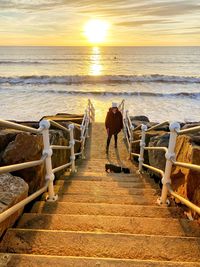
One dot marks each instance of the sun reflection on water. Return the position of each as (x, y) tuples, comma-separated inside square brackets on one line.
[(95, 62)]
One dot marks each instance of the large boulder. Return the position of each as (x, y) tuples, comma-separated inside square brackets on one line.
[(190, 124), (17, 147), (13, 189), (157, 157), (149, 135), (65, 117), (6, 136), (26, 147), (185, 181), (60, 156), (140, 118)]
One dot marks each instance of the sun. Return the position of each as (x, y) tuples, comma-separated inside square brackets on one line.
[(96, 31)]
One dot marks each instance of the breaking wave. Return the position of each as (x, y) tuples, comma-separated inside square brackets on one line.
[(194, 95), (89, 79), (103, 93)]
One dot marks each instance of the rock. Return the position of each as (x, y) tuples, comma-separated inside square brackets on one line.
[(60, 156), (65, 117), (6, 136), (12, 190), (157, 157), (138, 123), (163, 128), (140, 118), (184, 181), (149, 135), (26, 147), (17, 147), (190, 124), (77, 134), (33, 124), (195, 137)]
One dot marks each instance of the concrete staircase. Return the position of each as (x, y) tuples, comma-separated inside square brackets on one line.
[(102, 219)]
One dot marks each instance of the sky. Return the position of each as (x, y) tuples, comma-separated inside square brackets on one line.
[(132, 22)]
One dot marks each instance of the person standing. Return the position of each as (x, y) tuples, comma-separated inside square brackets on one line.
[(113, 124)]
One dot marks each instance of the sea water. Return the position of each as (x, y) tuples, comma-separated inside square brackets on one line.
[(162, 83)]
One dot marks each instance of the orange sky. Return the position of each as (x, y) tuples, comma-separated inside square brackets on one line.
[(132, 22)]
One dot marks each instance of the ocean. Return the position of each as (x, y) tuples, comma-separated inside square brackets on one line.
[(162, 83)]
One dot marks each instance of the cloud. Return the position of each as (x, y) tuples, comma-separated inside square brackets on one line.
[(136, 23), (171, 8), (58, 17)]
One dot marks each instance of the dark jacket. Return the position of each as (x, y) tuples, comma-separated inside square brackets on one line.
[(114, 122)]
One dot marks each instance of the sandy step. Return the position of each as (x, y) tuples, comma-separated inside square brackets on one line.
[(148, 193), (100, 161), (110, 224), (115, 199), (134, 172), (101, 178), (89, 172), (123, 246), (92, 168), (106, 177), (103, 184), (106, 191), (82, 177), (105, 209), (24, 260), (104, 188), (103, 173)]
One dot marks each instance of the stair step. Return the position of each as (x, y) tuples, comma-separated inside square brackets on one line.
[(24, 260), (92, 168), (105, 209), (105, 191), (116, 199), (123, 246), (104, 188), (106, 178), (110, 224), (102, 184), (103, 173)]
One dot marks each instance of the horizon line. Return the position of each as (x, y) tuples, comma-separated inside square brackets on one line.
[(100, 45)]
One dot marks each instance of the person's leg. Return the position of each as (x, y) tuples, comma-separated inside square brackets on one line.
[(115, 140), (108, 142)]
